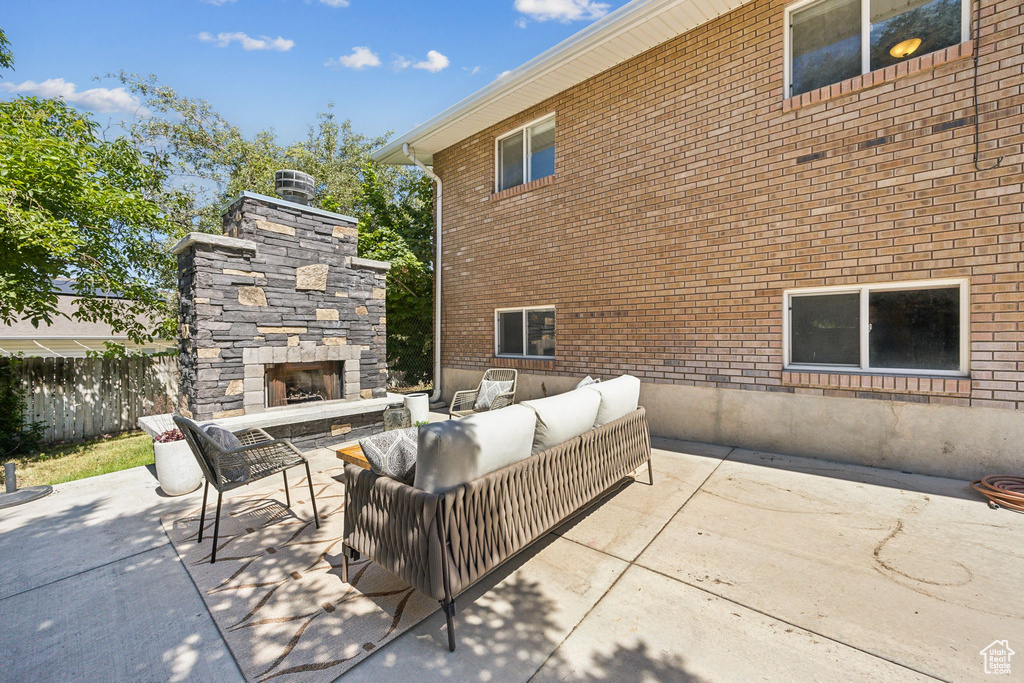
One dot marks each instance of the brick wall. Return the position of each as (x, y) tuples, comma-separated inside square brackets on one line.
[(689, 194)]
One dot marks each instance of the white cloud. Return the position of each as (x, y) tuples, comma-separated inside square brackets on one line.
[(561, 10), (100, 100), (503, 74), (333, 3), (434, 62), (218, 3), (472, 71), (399, 62), (247, 42), (360, 58)]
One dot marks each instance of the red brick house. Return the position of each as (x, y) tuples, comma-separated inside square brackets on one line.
[(793, 221)]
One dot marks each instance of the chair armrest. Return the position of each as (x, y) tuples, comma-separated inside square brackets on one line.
[(463, 400), (395, 525), (503, 400)]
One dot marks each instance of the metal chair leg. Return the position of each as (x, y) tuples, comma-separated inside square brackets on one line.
[(344, 566), (202, 515), (287, 496), (449, 613), (650, 472), (312, 496), (216, 528)]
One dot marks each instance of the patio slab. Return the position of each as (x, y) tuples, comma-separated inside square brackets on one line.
[(635, 513), (651, 628), (910, 568)]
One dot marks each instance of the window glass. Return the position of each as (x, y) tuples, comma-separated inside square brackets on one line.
[(510, 332), (825, 329), (510, 161), (916, 329), (542, 150), (901, 29), (826, 44), (540, 332)]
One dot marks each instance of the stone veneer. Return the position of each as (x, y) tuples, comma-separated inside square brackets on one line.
[(283, 284)]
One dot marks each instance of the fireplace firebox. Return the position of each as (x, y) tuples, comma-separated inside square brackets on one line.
[(293, 383)]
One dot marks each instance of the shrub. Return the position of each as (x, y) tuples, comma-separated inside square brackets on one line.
[(17, 435)]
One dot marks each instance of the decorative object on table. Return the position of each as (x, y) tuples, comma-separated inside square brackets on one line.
[(587, 381), (176, 469), (392, 454), (397, 416), (467, 402), (419, 407), (259, 457), (15, 496)]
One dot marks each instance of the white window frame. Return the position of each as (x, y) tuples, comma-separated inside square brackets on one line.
[(527, 167), (524, 310), (865, 331), (865, 35)]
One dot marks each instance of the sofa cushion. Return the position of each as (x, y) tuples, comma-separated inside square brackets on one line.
[(490, 390), (619, 397), (563, 417), (456, 451), (392, 453)]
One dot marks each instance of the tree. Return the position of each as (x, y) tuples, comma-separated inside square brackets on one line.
[(6, 56), (74, 205), (399, 227), (213, 160)]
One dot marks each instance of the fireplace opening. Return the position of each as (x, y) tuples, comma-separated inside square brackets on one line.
[(293, 383)]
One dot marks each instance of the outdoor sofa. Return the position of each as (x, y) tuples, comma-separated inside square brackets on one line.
[(489, 485)]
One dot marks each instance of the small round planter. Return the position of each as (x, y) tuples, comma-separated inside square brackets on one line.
[(176, 468), (419, 407)]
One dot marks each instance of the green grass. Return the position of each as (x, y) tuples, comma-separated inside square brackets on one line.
[(69, 462)]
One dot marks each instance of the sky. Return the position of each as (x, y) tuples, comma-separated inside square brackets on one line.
[(387, 65)]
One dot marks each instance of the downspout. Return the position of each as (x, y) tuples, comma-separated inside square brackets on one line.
[(438, 193)]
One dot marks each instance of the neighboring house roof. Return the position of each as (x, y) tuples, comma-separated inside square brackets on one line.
[(629, 31), (65, 336)]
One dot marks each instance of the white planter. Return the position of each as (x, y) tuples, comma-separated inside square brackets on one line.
[(419, 407), (176, 468)]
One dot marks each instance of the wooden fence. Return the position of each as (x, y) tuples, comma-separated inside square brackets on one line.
[(80, 398)]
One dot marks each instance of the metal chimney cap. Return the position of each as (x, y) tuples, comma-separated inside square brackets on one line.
[(294, 186)]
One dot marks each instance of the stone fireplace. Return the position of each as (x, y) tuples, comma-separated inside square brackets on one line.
[(282, 323)]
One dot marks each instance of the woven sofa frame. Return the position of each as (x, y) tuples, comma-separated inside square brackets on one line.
[(443, 543)]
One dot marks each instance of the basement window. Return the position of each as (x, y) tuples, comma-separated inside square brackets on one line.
[(828, 41), (898, 328), (525, 332), (526, 154)]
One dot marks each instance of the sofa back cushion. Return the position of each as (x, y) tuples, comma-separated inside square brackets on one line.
[(563, 417), (619, 397), (456, 451)]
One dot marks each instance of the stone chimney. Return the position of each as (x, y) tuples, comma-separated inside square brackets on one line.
[(278, 311)]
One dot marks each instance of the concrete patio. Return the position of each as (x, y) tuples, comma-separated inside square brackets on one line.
[(736, 565)]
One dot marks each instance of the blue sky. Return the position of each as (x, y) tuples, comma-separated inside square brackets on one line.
[(386, 64)]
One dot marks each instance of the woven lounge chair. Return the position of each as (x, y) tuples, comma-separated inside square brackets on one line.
[(260, 456), (464, 401)]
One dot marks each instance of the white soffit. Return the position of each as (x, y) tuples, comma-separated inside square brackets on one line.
[(625, 33)]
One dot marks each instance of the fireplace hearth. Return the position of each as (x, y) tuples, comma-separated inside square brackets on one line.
[(293, 383)]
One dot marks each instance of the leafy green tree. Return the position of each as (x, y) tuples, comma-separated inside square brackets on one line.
[(6, 56), (17, 435), (74, 205), (398, 226), (213, 160)]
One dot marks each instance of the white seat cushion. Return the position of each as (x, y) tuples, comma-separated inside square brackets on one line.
[(563, 417), (619, 397), (456, 451)]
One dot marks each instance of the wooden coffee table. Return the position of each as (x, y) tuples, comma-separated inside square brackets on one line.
[(354, 455)]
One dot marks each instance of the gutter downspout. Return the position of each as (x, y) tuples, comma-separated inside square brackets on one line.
[(438, 223)]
